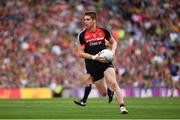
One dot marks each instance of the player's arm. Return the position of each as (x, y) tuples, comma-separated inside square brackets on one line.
[(114, 45), (81, 46), (178, 71), (82, 54), (111, 40)]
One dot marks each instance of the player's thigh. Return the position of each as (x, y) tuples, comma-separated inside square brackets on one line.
[(101, 86), (110, 77), (87, 79), (86, 76)]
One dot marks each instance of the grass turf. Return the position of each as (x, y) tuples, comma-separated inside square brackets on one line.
[(63, 108)]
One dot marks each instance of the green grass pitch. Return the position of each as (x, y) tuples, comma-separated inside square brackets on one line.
[(63, 108)]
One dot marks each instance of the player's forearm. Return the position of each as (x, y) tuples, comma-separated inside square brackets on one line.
[(114, 46), (86, 55), (82, 54)]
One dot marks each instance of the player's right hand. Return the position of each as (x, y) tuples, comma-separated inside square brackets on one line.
[(100, 59)]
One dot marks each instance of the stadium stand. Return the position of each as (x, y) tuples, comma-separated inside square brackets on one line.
[(37, 41)]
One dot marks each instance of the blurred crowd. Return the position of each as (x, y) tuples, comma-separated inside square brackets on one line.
[(37, 41)]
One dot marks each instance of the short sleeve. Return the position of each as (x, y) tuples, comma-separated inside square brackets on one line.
[(108, 35), (80, 39)]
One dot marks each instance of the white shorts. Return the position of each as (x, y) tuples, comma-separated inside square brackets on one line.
[(175, 78)]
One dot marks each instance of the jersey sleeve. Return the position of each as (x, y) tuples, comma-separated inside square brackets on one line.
[(108, 35), (80, 39)]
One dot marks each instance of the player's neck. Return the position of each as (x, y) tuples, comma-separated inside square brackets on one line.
[(93, 28)]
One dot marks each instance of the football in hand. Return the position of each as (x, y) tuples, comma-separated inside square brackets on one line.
[(107, 54)]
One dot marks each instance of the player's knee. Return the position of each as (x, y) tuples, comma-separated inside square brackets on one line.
[(113, 84)]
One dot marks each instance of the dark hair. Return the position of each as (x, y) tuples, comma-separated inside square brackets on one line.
[(91, 14)]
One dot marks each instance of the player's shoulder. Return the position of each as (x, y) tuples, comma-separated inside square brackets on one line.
[(104, 29), (82, 32)]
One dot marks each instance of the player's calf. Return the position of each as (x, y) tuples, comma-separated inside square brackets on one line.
[(110, 95)]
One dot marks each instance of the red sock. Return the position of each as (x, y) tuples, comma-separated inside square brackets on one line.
[(121, 105)]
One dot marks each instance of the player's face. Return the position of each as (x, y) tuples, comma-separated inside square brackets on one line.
[(88, 21)]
